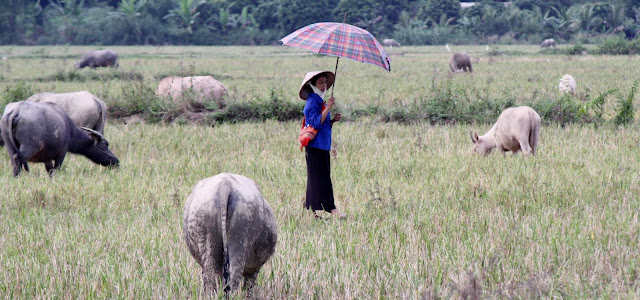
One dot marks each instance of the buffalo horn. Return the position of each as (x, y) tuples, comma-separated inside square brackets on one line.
[(100, 137)]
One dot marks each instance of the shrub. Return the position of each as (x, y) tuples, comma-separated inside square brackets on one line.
[(563, 110), (138, 98), (576, 49), (619, 45), (256, 110)]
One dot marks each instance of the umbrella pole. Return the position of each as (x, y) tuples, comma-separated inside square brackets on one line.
[(335, 73)]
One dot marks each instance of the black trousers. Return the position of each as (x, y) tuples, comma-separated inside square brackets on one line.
[(319, 187)]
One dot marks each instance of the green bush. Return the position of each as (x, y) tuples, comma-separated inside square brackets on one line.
[(563, 110), (14, 93), (256, 110), (576, 49), (619, 45), (139, 98)]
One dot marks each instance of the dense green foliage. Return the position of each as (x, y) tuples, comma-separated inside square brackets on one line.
[(250, 22)]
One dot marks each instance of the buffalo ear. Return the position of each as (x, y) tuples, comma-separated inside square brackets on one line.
[(474, 136)]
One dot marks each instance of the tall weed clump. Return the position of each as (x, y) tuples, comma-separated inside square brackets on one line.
[(625, 113), (139, 98)]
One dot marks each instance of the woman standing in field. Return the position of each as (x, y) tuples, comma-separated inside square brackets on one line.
[(319, 188)]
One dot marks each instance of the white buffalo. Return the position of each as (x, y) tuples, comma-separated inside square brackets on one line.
[(390, 43), (229, 229), (567, 84), (548, 43), (202, 87), (517, 128), (84, 109)]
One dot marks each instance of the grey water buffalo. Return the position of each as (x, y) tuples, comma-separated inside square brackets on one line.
[(201, 87), (43, 132), (517, 128), (567, 84), (548, 43), (229, 229), (85, 109), (390, 43), (98, 58), (460, 62)]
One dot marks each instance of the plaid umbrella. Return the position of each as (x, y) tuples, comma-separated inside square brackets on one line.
[(341, 40)]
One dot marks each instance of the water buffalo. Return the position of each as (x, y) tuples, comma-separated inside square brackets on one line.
[(548, 43), (229, 229), (202, 87), (517, 128), (85, 109), (567, 84), (460, 62), (390, 43), (43, 132), (98, 58)]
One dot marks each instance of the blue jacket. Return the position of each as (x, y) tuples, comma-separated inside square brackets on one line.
[(313, 114)]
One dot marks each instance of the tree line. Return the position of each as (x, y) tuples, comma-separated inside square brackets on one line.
[(264, 22)]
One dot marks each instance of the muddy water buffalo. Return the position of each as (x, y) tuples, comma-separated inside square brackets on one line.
[(201, 87), (229, 229), (85, 109), (98, 58), (460, 62), (43, 132), (517, 128)]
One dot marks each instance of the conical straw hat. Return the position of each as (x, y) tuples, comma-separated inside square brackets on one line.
[(305, 89)]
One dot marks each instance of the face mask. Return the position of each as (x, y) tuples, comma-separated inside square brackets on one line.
[(317, 91)]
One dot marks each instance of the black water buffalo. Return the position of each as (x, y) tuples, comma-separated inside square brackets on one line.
[(229, 229), (43, 132), (99, 58)]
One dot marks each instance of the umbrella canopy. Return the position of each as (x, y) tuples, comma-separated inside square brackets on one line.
[(341, 40)]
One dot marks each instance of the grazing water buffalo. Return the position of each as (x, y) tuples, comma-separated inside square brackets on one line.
[(390, 43), (229, 229), (517, 128), (99, 58), (460, 62), (567, 84), (85, 109), (548, 43), (43, 132), (202, 87)]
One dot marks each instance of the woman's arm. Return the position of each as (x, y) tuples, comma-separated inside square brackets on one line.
[(325, 112)]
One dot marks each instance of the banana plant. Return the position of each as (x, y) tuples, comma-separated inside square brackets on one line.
[(185, 14)]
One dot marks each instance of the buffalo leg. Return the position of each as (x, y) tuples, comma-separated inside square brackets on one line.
[(526, 149), (211, 272), (49, 166), (250, 282), (58, 161)]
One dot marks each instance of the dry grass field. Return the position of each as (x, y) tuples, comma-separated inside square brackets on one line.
[(426, 217)]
